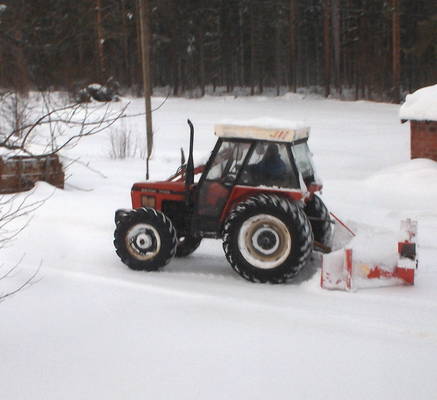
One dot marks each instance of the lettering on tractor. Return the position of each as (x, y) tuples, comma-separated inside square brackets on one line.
[(257, 193)]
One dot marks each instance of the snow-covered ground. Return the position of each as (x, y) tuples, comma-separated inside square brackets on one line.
[(90, 328)]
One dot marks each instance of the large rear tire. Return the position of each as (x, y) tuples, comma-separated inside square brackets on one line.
[(320, 220), (144, 239), (267, 238)]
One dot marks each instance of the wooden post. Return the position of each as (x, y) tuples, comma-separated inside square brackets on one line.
[(144, 7)]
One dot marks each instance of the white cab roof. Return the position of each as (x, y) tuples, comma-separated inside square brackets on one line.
[(263, 129)]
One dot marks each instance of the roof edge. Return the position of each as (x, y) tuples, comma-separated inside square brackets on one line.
[(261, 133)]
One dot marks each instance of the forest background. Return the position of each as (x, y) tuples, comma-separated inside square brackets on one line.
[(356, 49)]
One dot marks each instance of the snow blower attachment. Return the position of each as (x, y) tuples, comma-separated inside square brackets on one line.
[(340, 270)]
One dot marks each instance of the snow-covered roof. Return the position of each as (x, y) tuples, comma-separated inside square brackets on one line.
[(263, 129), (420, 105)]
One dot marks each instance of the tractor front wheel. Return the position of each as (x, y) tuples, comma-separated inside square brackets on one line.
[(267, 238), (144, 239)]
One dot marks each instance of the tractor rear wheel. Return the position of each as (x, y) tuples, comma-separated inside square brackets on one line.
[(267, 238), (145, 239), (187, 245), (320, 220)]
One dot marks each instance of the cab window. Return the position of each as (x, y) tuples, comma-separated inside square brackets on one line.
[(270, 165), (228, 161)]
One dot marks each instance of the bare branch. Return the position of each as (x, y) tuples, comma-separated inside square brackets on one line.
[(28, 282)]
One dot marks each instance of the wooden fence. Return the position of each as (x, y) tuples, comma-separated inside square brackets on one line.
[(20, 173)]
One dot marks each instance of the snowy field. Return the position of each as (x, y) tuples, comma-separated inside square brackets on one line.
[(89, 328)]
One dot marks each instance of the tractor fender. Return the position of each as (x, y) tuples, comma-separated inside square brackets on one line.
[(241, 193), (120, 214)]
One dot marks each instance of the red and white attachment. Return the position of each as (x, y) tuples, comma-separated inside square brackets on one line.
[(340, 270)]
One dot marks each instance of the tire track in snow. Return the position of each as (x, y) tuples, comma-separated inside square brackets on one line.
[(305, 308)]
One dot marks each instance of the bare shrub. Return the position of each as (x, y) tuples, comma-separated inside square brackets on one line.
[(41, 134), (67, 124), (15, 215), (15, 113), (124, 144)]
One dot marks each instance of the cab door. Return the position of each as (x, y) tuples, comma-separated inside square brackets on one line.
[(217, 182)]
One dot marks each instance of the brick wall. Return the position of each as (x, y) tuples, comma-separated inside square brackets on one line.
[(18, 174), (424, 139)]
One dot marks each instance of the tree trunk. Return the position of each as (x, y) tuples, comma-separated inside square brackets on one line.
[(278, 58), (125, 43), (100, 41), (336, 43), (396, 48), (201, 63), (252, 50), (292, 46), (327, 45), (241, 75)]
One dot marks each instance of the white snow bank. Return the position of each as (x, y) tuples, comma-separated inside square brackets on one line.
[(412, 184), (266, 123), (420, 105)]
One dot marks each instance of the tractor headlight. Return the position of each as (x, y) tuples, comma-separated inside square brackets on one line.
[(148, 201)]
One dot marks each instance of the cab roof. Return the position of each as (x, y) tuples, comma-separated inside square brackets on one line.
[(263, 129)]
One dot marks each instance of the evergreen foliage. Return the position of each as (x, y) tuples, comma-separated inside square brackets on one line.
[(204, 44)]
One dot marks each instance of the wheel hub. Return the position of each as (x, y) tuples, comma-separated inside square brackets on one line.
[(264, 241), (143, 241)]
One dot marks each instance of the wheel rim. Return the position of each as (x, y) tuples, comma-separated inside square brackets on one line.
[(143, 241), (264, 241)]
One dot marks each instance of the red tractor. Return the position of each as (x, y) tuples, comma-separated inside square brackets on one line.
[(256, 192)]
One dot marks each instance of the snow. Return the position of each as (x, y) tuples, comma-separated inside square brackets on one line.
[(90, 328), (32, 148), (262, 131), (420, 105), (383, 247), (95, 86), (267, 123)]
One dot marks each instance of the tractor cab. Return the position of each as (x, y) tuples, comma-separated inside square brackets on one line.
[(247, 160)]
